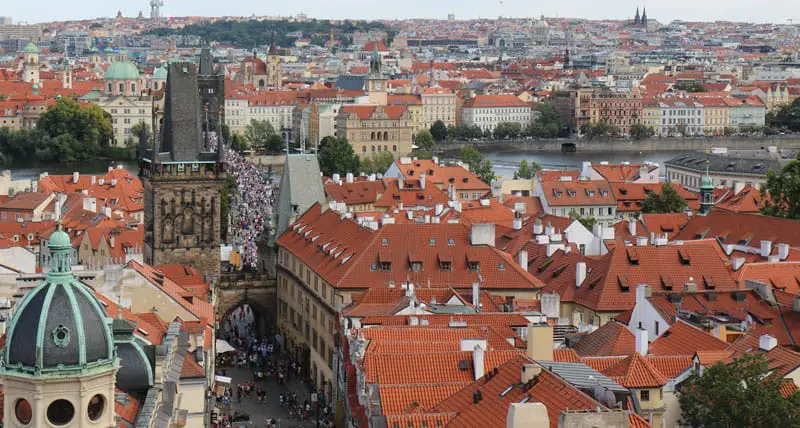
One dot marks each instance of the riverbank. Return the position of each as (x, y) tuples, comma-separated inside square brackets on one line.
[(620, 145)]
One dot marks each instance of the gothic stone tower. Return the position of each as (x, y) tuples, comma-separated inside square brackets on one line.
[(211, 85), (182, 177)]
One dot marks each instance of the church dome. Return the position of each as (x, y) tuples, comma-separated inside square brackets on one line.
[(123, 70), (60, 326), (706, 183), (30, 48)]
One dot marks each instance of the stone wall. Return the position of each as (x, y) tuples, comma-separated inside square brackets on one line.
[(619, 145)]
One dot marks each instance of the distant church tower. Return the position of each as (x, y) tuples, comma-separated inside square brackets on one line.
[(644, 18), (706, 192), (211, 85), (30, 64), (376, 81), (182, 178), (274, 72), (637, 20)]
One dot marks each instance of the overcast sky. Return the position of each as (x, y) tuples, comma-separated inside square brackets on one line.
[(706, 10)]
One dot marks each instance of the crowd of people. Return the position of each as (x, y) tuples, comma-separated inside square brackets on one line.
[(254, 200)]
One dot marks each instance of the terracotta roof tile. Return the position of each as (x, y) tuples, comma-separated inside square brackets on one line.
[(191, 369), (735, 228), (633, 371), (684, 339), (612, 338), (575, 193)]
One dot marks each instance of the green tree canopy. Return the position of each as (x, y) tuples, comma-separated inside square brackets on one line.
[(89, 126), (740, 394), (641, 132), (787, 118), (587, 222), (526, 171), (781, 194), (142, 133), (336, 156), (477, 164), (669, 201), (438, 131), (505, 130), (258, 133), (424, 140), (377, 162)]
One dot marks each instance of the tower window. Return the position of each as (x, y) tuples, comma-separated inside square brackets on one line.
[(23, 411), (96, 406), (60, 412)]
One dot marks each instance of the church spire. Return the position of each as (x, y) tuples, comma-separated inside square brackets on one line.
[(637, 20), (644, 17), (706, 191)]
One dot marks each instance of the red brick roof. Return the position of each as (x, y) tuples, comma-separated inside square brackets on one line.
[(198, 307), (366, 112), (26, 201), (370, 46), (191, 369), (442, 175), (783, 276), (748, 200), (632, 371), (410, 195), (631, 196)]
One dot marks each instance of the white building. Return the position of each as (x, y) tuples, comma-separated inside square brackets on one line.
[(239, 112), (746, 112), (586, 198), (487, 111), (681, 117)]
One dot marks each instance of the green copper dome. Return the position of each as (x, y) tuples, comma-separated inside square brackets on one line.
[(160, 73), (60, 326), (122, 70), (706, 182), (30, 48)]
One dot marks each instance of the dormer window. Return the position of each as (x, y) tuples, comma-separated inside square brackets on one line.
[(474, 266), (386, 266), (416, 266), (445, 266)]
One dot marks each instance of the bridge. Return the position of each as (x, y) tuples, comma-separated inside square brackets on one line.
[(257, 290)]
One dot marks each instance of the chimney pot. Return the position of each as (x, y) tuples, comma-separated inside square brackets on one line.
[(642, 342), (580, 274), (766, 248), (783, 251)]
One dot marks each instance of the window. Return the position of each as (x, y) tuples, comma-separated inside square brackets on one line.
[(645, 395), (445, 266), (657, 328), (96, 406), (386, 266), (60, 412), (416, 266), (474, 266), (23, 411)]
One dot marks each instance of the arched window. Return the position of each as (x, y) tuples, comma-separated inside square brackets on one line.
[(385, 135), (133, 88), (372, 136), (109, 87)]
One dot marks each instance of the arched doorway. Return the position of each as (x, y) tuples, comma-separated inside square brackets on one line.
[(247, 319)]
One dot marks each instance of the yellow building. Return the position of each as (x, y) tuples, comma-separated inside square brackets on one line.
[(716, 115), (414, 106), (651, 114), (371, 129), (439, 104)]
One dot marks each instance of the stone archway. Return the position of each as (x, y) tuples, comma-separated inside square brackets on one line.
[(252, 309), (256, 292)]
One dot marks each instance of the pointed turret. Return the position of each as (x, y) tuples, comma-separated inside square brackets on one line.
[(637, 20), (706, 192), (273, 50), (644, 17)]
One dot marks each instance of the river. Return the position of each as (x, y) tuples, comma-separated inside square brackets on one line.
[(31, 170), (505, 163)]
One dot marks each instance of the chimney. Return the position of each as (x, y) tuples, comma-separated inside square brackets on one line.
[(349, 177), (580, 274), (111, 241), (422, 180), (642, 293), (690, 287), (517, 222), (766, 248), (435, 160), (476, 294), (641, 341), (478, 361), (76, 176), (113, 182), (451, 192), (540, 342), (400, 183), (783, 251), (529, 370), (371, 177), (523, 260), (438, 208), (94, 180), (767, 342), (641, 241), (538, 228), (526, 415), (90, 204), (336, 178), (111, 168), (482, 234), (737, 187), (632, 226), (773, 259), (796, 304)]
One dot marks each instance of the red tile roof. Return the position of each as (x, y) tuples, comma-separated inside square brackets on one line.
[(633, 371), (612, 338), (631, 196), (577, 193), (492, 101), (358, 192), (748, 200), (366, 112), (200, 308), (191, 369), (684, 339), (547, 388), (735, 228), (411, 195), (442, 175)]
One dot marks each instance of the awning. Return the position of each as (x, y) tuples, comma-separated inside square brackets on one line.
[(223, 347)]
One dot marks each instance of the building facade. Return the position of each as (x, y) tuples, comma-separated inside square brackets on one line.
[(373, 129), (620, 110), (438, 104), (488, 111)]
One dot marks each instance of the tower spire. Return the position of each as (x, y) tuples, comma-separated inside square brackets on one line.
[(706, 191), (637, 19)]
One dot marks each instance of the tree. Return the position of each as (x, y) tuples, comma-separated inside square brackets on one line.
[(482, 168), (378, 162), (506, 130), (424, 140), (526, 171), (781, 193), (669, 201), (258, 133), (89, 128), (238, 143), (600, 129), (142, 133), (587, 222), (336, 156), (787, 118), (275, 143), (422, 154), (739, 394), (641, 132), (438, 131)]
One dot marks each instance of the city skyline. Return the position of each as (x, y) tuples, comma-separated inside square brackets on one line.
[(772, 11)]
